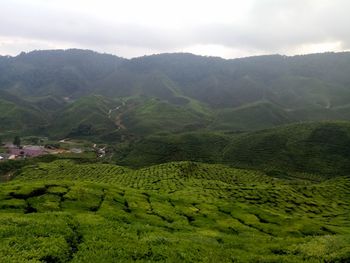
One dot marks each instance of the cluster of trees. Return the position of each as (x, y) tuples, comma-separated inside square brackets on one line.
[(17, 141)]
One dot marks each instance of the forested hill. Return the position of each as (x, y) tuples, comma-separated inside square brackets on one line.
[(42, 89), (294, 82)]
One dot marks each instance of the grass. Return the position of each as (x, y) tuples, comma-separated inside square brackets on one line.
[(174, 212)]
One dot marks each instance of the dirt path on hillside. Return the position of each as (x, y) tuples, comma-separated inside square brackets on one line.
[(118, 119)]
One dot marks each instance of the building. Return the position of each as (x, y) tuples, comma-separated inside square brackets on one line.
[(27, 151)]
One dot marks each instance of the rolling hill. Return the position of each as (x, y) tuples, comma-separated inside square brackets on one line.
[(18, 114), (180, 211), (171, 92), (316, 147), (87, 116)]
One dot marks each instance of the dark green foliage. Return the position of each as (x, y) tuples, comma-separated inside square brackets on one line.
[(17, 141), (82, 130), (321, 147), (56, 72), (200, 146), (315, 147)]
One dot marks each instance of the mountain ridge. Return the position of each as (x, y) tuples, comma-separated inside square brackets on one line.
[(235, 94)]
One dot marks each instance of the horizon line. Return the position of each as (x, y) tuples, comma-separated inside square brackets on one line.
[(171, 53)]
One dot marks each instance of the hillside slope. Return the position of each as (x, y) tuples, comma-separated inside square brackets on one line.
[(87, 116), (319, 147), (227, 95), (291, 82), (67, 212), (18, 114), (322, 147)]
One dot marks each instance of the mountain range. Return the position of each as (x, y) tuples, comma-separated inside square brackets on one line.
[(41, 90)]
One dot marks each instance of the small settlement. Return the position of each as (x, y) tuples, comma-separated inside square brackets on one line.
[(13, 152)]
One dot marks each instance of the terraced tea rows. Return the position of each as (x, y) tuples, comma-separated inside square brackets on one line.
[(175, 212)]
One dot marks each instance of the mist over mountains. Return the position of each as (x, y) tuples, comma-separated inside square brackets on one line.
[(42, 88)]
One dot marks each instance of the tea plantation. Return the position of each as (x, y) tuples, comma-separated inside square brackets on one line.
[(175, 212)]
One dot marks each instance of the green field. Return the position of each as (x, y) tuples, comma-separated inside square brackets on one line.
[(62, 211)]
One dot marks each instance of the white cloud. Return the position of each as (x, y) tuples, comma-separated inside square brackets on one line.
[(228, 28)]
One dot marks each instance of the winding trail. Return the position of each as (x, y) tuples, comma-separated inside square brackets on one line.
[(118, 119)]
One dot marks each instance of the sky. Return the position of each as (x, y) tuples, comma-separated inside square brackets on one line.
[(132, 28)]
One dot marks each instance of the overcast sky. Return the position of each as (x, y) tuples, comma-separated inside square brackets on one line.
[(130, 28)]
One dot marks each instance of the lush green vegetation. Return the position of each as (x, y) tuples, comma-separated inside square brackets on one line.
[(243, 160), (86, 117), (189, 212), (318, 147), (321, 147), (255, 116), (70, 93), (156, 116)]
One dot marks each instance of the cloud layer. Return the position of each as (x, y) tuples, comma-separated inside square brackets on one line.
[(134, 28)]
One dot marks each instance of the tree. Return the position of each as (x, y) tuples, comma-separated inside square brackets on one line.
[(34, 140), (17, 141)]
